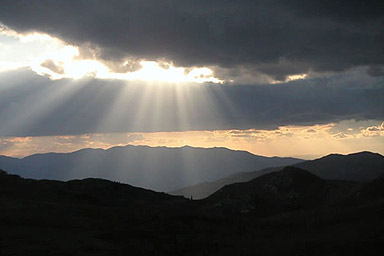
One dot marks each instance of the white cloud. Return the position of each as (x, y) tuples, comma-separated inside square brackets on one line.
[(35, 50)]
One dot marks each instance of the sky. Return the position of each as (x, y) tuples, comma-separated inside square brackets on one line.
[(285, 78)]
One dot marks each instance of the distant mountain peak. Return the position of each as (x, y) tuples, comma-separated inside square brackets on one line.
[(288, 179), (296, 173), (361, 153)]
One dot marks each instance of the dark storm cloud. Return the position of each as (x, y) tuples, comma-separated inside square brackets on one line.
[(266, 35), (31, 105), (376, 71)]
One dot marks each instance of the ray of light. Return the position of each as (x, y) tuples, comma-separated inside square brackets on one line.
[(39, 102)]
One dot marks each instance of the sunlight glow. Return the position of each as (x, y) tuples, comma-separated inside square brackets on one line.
[(154, 71), (296, 77), (262, 142), (52, 57)]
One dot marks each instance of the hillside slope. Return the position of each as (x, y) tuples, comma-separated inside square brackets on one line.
[(293, 212), (289, 189), (361, 167)]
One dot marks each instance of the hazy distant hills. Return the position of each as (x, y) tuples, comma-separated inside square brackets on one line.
[(203, 190), (157, 168), (362, 167)]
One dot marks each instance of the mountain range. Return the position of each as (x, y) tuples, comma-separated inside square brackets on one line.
[(291, 211), (361, 167), (157, 168)]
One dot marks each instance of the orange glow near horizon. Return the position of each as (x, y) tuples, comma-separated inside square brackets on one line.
[(309, 141)]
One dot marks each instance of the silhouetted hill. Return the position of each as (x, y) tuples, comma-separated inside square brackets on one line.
[(289, 212), (157, 168), (203, 190), (369, 193), (373, 190), (89, 190), (289, 189), (363, 166)]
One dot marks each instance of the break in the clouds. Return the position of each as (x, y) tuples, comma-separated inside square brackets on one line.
[(271, 38), (33, 105), (51, 57)]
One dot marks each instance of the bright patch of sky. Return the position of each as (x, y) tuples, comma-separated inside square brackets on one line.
[(306, 142), (52, 57)]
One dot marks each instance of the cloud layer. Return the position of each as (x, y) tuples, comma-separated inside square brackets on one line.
[(274, 37), (32, 105)]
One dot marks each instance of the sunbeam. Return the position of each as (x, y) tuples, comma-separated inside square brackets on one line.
[(40, 101)]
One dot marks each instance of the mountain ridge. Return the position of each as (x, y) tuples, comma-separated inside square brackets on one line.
[(157, 168), (200, 191), (289, 189)]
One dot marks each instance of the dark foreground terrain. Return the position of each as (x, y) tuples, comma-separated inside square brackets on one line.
[(291, 212)]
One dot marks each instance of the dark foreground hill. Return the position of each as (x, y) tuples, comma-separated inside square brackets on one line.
[(291, 212), (361, 167), (289, 189), (157, 168)]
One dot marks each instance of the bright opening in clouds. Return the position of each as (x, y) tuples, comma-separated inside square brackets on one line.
[(52, 57)]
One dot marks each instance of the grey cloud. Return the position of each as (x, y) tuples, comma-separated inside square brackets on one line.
[(52, 66), (352, 10), (376, 71), (308, 35), (31, 105)]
